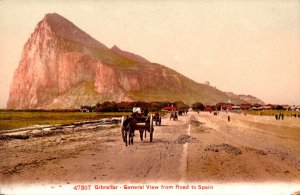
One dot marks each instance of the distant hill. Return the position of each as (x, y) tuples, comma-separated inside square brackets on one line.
[(63, 67), (248, 98)]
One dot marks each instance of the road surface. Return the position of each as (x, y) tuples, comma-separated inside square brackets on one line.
[(197, 147)]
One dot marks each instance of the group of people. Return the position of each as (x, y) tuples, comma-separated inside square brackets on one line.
[(278, 116), (281, 116), (294, 115)]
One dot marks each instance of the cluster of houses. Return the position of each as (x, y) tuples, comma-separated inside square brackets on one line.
[(251, 107)]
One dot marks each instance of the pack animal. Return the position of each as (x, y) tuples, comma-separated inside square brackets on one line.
[(129, 126), (174, 115)]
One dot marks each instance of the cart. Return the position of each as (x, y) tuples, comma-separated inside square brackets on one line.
[(174, 115), (143, 124), (157, 119)]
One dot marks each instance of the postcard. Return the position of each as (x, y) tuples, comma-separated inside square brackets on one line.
[(152, 97)]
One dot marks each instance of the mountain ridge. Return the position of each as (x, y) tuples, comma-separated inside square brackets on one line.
[(129, 55), (60, 70), (66, 29)]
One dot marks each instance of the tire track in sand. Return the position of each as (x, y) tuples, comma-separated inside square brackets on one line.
[(184, 159)]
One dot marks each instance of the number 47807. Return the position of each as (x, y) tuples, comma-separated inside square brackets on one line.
[(82, 187)]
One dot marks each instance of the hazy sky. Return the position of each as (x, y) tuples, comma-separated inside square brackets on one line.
[(246, 47)]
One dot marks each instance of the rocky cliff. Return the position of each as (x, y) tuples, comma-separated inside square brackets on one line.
[(63, 67)]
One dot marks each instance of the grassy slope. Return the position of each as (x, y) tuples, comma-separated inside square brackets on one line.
[(105, 55), (192, 92)]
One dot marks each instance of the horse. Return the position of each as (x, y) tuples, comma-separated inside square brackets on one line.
[(173, 115), (128, 129), (180, 112), (130, 125), (157, 119)]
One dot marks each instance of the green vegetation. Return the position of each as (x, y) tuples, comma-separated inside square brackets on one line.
[(18, 119), (105, 55), (198, 106), (89, 89), (108, 57), (181, 105)]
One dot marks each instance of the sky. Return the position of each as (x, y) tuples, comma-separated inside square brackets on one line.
[(245, 47)]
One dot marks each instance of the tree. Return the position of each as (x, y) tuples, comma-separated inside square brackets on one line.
[(181, 105), (155, 106), (198, 106), (108, 107)]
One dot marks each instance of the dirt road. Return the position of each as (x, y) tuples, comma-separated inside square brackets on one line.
[(197, 147)]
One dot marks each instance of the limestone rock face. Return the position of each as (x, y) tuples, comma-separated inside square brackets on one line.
[(103, 83), (63, 67)]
